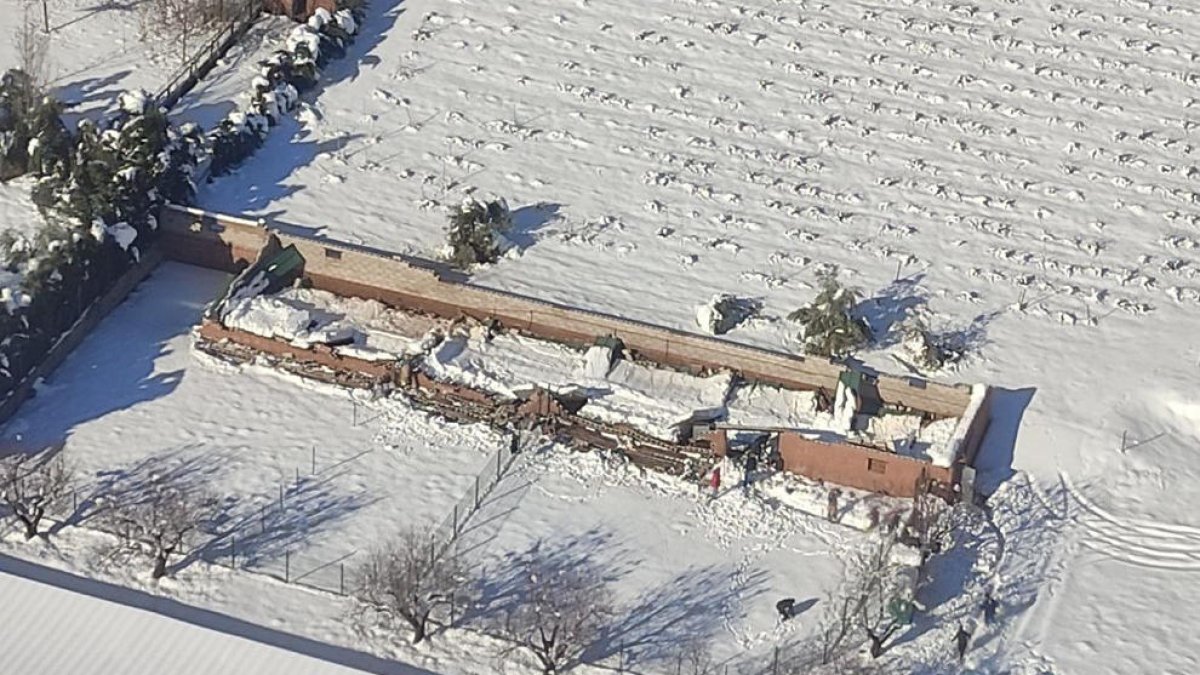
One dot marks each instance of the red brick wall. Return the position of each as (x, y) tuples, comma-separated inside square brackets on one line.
[(210, 330), (852, 465), (306, 8)]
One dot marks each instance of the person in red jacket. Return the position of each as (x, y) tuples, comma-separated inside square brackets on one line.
[(716, 481)]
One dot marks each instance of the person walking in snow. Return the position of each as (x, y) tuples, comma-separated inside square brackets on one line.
[(715, 481), (786, 609), (831, 507), (751, 466), (961, 639), (989, 607)]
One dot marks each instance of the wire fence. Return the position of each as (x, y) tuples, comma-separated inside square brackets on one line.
[(207, 55), (448, 531)]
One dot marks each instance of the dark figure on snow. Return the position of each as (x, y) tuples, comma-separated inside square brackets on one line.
[(715, 481), (831, 508), (751, 467), (990, 605), (961, 640), (786, 608)]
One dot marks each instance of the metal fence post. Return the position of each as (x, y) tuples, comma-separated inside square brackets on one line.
[(314, 460), (342, 578), (281, 496), (287, 566), (476, 491), (775, 662), (454, 523)]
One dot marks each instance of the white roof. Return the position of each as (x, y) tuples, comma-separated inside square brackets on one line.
[(58, 622)]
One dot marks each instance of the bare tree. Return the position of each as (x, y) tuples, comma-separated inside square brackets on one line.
[(405, 580), (695, 658), (178, 21), (930, 523), (165, 517), (874, 602), (884, 605), (34, 484), (33, 50), (561, 612)]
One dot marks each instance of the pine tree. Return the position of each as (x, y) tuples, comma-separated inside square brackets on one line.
[(827, 324), (475, 233), (50, 142), (18, 96)]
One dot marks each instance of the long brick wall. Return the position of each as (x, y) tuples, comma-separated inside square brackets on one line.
[(229, 243), (226, 242)]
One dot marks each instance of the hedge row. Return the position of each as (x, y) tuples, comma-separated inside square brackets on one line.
[(99, 191)]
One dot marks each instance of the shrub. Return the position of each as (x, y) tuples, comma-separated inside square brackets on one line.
[(475, 235), (931, 351), (827, 324)]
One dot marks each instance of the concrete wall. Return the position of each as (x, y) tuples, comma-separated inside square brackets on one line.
[(91, 317), (224, 242), (857, 467)]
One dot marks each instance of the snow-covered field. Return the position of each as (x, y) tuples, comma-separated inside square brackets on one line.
[(1023, 171), (135, 400)]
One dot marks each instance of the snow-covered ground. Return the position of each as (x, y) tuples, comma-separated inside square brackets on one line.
[(684, 567), (227, 86), (96, 51), (1024, 171), (135, 400)]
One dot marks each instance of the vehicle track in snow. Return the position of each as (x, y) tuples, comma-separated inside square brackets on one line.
[(1136, 541)]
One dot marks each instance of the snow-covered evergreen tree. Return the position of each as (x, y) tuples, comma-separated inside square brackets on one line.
[(828, 326), (49, 147), (475, 235)]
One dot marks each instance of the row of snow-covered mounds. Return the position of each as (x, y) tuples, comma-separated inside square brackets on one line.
[(1027, 172)]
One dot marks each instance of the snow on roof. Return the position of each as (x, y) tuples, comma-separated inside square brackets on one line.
[(57, 622)]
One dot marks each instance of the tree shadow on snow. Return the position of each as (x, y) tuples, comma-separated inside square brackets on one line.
[(690, 608), (889, 307), (284, 151), (380, 19), (255, 531), (527, 220), (115, 367), (648, 630), (501, 584), (89, 90), (187, 466)]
